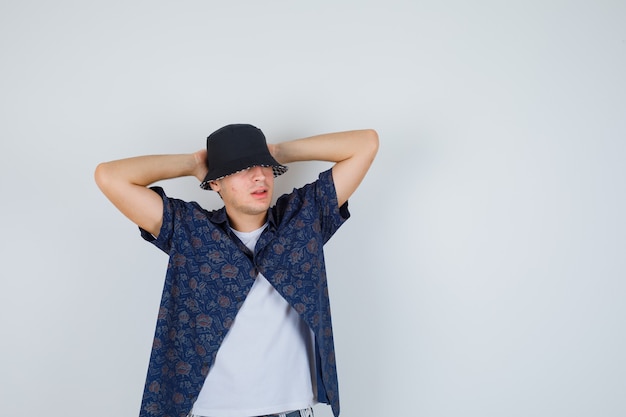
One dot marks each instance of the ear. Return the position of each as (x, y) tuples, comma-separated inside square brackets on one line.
[(215, 186)]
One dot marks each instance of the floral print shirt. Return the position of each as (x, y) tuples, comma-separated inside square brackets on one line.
[(208, 278)]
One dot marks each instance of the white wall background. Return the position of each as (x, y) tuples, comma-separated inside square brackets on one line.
[(483, 270)]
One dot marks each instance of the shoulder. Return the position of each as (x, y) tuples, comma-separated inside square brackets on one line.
[(181, 216), (316, 200), (306, 194), (176, 204)]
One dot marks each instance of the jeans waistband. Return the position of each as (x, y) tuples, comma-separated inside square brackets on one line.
[(305, 412)]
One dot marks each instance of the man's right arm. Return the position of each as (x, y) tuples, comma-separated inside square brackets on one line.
[(124, 182)]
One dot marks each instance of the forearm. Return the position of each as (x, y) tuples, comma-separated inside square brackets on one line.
[(352, 152), (331, 147), (145, 170)]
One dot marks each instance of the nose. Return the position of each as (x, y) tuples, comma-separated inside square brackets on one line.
[(257, 173)]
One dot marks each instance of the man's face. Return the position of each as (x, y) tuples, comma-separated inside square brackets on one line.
[(247, 192)]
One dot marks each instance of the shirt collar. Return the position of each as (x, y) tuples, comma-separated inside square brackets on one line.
[(219, 217)]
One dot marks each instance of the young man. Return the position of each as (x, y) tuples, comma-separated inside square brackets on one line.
[(244, 327)]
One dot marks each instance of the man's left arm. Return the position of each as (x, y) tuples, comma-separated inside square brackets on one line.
[(352, 152)]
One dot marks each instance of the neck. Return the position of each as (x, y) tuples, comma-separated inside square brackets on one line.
[(247, 223)]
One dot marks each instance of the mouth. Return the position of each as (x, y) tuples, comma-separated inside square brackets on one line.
[(260, 193)]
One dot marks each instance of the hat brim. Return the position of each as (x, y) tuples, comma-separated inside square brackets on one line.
[(241, 165)]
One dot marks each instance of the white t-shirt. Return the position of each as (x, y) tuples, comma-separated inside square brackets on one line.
[(266, 363)]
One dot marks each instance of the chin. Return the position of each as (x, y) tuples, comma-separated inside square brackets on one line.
[(258, 209)]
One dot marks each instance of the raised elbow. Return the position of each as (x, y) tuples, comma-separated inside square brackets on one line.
[(102, 175), (372, 141)]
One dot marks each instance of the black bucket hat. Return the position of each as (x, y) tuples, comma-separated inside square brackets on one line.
[(235, 148)]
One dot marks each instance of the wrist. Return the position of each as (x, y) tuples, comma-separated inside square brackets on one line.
[(275, 151), (198, 167)]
